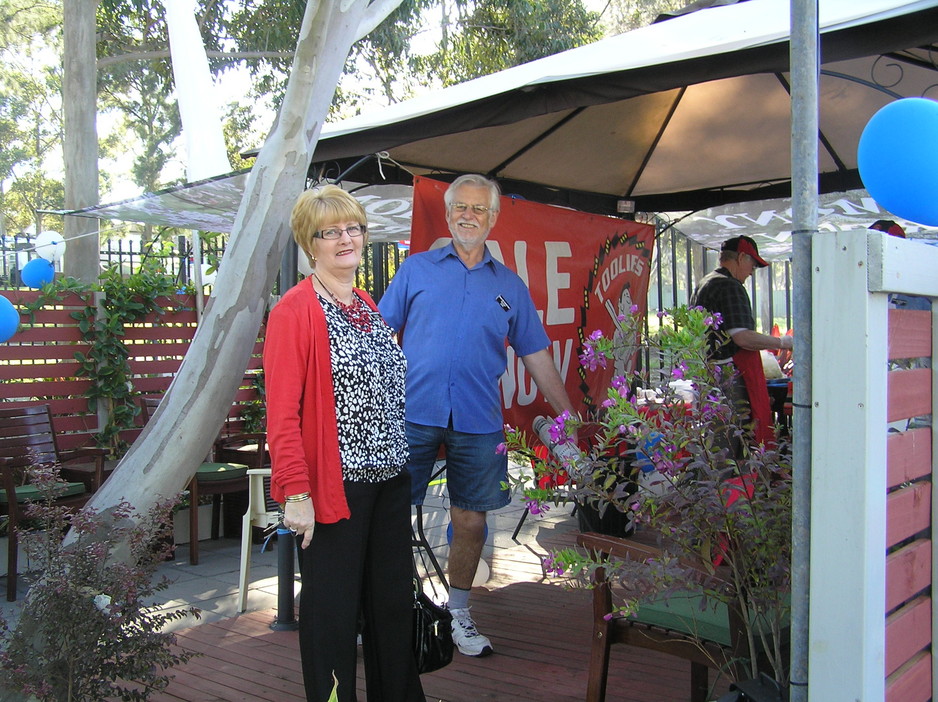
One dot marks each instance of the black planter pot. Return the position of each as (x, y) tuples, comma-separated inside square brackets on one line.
[(762, 689), (612, 523)]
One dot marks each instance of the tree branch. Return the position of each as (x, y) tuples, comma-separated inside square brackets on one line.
[(376, 13)]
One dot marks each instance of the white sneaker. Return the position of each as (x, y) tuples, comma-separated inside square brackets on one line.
[(466, 637)]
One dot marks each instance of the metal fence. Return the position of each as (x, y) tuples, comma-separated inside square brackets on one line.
[(174, 257), (678, 264)]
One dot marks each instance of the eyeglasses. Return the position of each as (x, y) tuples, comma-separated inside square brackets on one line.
[(335, 233), (461, 207)]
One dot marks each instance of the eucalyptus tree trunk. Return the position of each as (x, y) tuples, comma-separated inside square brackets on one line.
[(168, 452), (79, 103), (180, 434)]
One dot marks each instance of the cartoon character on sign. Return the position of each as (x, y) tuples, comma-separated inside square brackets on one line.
[(617, 283), (625, 351)]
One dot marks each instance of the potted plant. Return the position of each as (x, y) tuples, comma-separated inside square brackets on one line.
[(714, 508)]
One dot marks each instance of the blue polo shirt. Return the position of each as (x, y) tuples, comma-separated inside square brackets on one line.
[(455, 322)]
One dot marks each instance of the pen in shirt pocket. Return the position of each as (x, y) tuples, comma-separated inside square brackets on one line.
[(503, 303)]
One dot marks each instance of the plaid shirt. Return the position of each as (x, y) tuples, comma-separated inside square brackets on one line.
[(720, 292)]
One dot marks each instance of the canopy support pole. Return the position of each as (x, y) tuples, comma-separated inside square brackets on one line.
[(805, 71)]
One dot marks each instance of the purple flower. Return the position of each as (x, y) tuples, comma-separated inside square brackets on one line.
[(501, 449), (606, 404), (552, 567), (633, 309), (596, 335), (535, 506), (591, 360), (558, 429)]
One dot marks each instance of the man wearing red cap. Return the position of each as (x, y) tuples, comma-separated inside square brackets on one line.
[(723, 291)]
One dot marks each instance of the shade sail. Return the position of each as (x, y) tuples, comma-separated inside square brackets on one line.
[(769, 222), (211, 205)]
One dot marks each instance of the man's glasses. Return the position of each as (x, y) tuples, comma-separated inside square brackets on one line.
[(461, 207), (335, 233)]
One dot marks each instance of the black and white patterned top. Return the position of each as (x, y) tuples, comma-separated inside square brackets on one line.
[(368, 371)]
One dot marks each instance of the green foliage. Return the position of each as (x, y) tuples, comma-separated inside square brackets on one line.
[(21, 21), (240, 135), (28, 192), (136, 77), (89, 634), (143, 96), (625, 15), (491, 36), (269, 27), (30, 114), (685, 465), (254, 412), (476, 38), (126, 300)]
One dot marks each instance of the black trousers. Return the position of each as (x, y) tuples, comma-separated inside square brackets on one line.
[(361, 569)]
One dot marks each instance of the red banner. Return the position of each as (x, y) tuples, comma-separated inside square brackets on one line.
[(582, 270)]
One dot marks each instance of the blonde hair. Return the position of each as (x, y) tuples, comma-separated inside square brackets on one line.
[(321, 206)]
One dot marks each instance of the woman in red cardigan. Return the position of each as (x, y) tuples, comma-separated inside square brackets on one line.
[(335, 421)]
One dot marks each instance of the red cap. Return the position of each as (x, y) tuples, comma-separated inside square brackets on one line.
[(746, 245), (888, 226)]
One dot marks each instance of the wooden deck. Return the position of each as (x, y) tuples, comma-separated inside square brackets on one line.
[(540, 631)]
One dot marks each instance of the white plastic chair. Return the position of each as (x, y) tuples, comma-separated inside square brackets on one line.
[(255, 516)]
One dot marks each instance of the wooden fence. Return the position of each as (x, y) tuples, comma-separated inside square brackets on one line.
[(38, 365), (871, 625)]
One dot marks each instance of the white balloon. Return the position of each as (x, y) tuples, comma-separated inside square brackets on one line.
[(482, 574), (208, 278), (50, 245)]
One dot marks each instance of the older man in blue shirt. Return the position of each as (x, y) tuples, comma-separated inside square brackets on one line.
[(454, 308)]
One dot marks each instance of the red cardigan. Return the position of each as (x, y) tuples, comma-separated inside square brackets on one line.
[(301, 424)]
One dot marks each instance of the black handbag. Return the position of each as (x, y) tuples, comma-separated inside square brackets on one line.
[(433, 636)]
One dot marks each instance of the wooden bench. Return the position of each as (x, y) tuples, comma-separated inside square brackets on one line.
[(707, 638)]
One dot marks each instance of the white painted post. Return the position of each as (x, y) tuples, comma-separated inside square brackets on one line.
[(846, 646)]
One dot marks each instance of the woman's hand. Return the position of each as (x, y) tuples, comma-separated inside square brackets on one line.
[(301, 518)]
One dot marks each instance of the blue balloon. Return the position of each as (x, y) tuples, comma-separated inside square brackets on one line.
[(38, 272), (646, 450), (898, 159), (9, 319)]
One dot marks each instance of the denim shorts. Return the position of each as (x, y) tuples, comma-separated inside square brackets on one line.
[(474, 469)]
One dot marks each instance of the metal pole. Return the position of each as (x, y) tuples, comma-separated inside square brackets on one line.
[(288, 268), (197, 274), (805, 71), (286, 547)]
